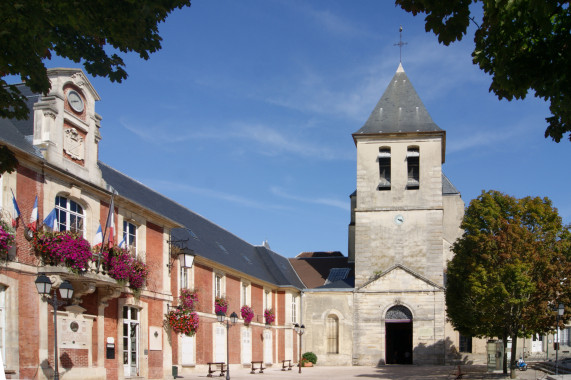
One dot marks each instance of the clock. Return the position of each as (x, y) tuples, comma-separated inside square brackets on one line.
[(75, 101), (399, 219)]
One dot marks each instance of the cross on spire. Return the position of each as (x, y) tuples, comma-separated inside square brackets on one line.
[(400, 44)]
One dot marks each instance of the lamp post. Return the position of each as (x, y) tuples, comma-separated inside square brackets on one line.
[(560, 312), (233, 318), (44, 286), (299, 330)]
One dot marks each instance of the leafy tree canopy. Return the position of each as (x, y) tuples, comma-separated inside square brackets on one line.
[(511, 266), (93, 32), (523, 45)]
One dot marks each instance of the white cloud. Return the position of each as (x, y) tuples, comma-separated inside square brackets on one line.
[(321, 200), (269, 141), (169, 186)]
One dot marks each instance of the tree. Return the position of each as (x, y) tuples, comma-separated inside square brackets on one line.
[(511, 266), (523, 45), (93, 32)]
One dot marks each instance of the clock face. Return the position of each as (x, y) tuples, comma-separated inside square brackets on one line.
[(399, 219), (75, 101)]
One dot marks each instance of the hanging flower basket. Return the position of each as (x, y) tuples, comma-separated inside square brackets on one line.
[(247, 314), (123, 267), (220, 305), (7, 239), (138, 274), (67, 248), (182, 321), (270, 316), (188, 299)]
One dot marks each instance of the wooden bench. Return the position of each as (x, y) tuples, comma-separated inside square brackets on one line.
[(288, 366), (458, 374), (215, 367), (260, 367)]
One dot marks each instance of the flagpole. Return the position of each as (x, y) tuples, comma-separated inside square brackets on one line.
[(109, 216)]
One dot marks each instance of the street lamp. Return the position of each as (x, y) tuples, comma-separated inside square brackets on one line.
[(560, 312), (233, 318), (44, 286), (299, 330)]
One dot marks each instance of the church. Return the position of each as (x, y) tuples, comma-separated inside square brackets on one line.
[(381, 304), (384, 303)]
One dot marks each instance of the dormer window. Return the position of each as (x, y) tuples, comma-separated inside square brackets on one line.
[(384, 159), (413, 166)]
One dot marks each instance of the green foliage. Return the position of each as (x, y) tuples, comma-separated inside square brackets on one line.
[(511, 266), (92, 32), (8, 161), (309, 357), (523, 45)]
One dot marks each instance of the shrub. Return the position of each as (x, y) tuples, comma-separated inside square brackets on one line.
[(309, 357)]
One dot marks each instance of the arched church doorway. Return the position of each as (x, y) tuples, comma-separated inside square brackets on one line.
[(398, 335)]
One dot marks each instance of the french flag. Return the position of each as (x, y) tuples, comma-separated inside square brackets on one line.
[(51, 221), (98, 237), (34, 217), (16, 210), (110, 224), (123, 243)]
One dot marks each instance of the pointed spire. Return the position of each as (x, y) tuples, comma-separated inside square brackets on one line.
[(399, 110)]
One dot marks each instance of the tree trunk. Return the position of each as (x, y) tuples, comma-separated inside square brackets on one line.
[(513, 358), (505, 358)]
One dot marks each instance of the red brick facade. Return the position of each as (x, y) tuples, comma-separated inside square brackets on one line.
[(100, 302)]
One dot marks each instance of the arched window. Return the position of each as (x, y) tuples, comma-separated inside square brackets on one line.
[(413, 166), (69, 215), (332, 328), (384, 168)]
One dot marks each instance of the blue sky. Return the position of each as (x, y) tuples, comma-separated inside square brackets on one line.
[(246, 114)]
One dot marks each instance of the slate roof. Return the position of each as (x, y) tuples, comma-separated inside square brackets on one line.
[(207, 239), (314, 271), (399, 110), (447, 187), (18, 133)]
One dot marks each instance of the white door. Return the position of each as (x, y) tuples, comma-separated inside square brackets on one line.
[(268, 346), (187, 350), (537, 343), (246, 345), (131, 341), (220, 343)]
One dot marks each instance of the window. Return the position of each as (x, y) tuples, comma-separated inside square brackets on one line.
[(183, 275), (564, 336), (131, 341), (245, 294), (217, 285), (412, 159), (465, 343), (3, 324), (385, 168), (293, 309), (267, 299), (69, 215), (130, 235), (332, 329)]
